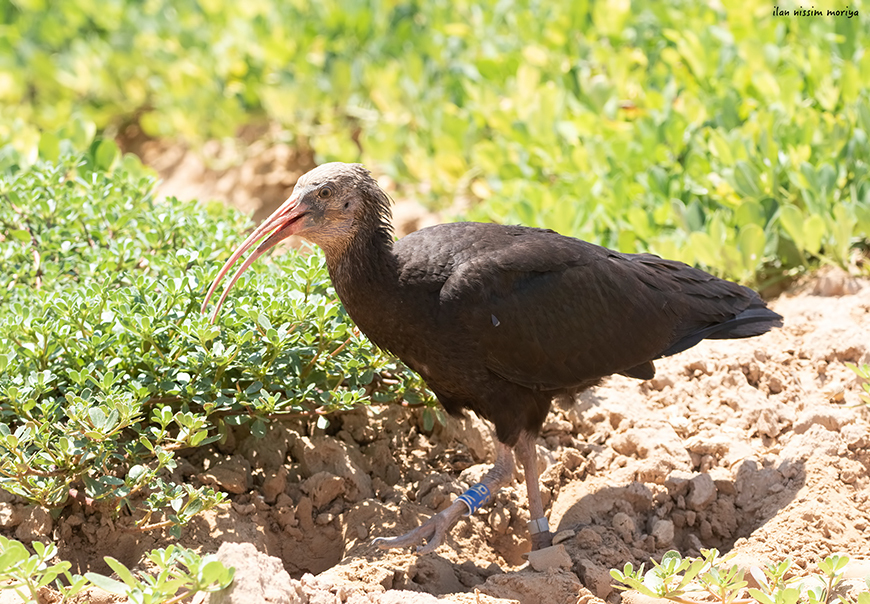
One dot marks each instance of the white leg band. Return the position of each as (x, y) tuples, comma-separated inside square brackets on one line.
[(538, 525)]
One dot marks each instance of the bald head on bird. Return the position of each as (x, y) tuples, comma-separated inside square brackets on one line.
[(334, 201), (329, 206)]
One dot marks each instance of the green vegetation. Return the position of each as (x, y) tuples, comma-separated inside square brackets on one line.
[(107, 367), (711, 579), (27, 574), (176, 568), (863, 373), (715, 133)]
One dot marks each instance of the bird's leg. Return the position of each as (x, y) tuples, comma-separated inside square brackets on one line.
[(539, 529), (436, 528)]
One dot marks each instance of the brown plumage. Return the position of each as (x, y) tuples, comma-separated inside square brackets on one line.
[(501, 319)]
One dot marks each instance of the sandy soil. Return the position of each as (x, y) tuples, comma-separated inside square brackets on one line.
[(757, 446)]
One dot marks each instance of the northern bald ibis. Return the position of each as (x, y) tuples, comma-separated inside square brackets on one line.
[(499, 319)]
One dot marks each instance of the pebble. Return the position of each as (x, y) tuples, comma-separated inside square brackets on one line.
[(323, 487), (830, 419), (595, 577), (587, 538), (768, 423), (325, 454), (244, 509), (268, 452), (284, 501)]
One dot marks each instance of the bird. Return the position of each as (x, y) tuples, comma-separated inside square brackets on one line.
[(498, 319)]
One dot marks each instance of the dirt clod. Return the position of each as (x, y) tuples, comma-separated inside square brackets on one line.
[(702, 492), (326, 454), (258, 578), (10, 516), (663, 531), (554, 556), (36, 524), (555, 585), (232, 474)]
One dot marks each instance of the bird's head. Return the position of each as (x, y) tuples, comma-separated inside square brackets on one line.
[(329, 206)]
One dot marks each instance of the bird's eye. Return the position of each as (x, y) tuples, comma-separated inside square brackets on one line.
[(325, 193)]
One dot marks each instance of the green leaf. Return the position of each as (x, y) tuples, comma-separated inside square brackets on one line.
[(751, 244), (814, 231), (213, 571), (789, 595), (695, 567), (14, 554), (792, 221), (107, 584), (136, 472), (750, 212), (654, 583), (98, 417), (49, 146), (105, 154), (122, 571), (762, 597), (198, 438), (747, 180), (705, 249), (428, 420)]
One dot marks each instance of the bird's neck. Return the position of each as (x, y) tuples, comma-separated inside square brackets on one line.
[(365, 274)]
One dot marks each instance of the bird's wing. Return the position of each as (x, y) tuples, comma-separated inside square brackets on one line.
[(554, 312)]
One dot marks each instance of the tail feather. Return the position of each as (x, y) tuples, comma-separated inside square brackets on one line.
[(700, 305), (754, 321)]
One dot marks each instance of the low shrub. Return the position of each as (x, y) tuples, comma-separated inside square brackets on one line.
[(107, 366)]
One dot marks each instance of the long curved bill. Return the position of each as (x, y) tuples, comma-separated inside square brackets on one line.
[(278, 226)]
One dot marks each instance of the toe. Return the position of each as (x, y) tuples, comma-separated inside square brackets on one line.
[(420, 534)]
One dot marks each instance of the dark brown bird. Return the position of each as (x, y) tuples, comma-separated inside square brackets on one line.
[(499, 319)]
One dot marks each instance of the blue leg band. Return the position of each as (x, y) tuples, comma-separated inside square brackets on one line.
[(475, 497)]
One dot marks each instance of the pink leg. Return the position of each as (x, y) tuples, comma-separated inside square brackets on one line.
[(538, 526)]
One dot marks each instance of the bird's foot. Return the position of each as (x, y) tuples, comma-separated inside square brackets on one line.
[(436, 528), (539, 529), (432, 531)]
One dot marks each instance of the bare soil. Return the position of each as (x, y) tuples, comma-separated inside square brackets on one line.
[(757, 446)]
